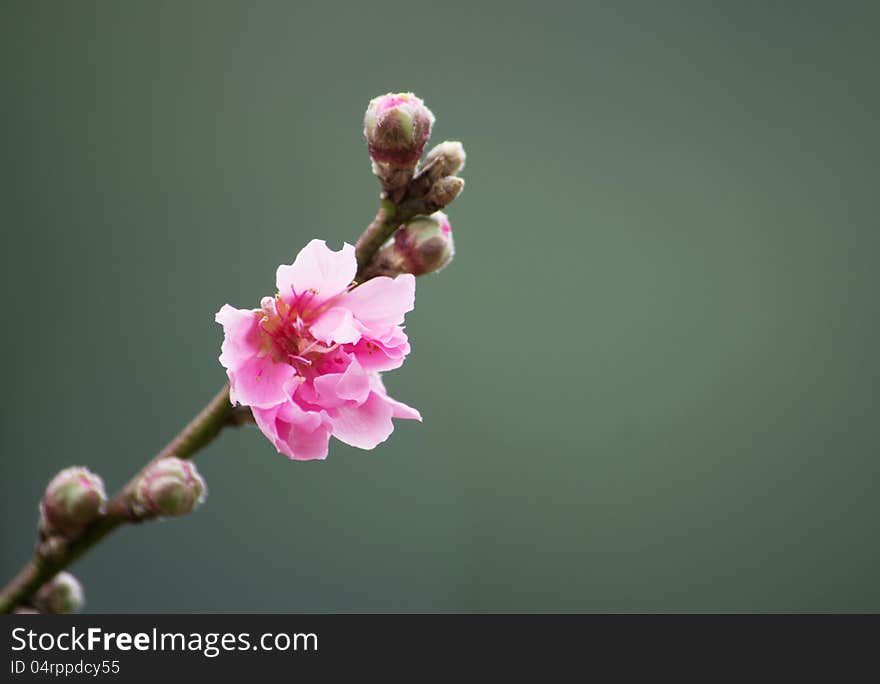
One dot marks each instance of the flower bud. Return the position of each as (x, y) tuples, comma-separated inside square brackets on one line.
[(445, 159), (62, 594), (168, 487), (423, 245), (444, 192), (73, 499), (397, 126)]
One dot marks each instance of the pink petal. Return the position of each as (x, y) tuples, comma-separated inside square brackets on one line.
[(300, 435), (260, 382), (363, 426), (241, 335), (304, 395), (399, 409), (335, 389), (386, 352), (336, 325), (382, 302), (319, 268)]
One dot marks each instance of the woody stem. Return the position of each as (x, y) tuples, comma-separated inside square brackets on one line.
[(198, 433)]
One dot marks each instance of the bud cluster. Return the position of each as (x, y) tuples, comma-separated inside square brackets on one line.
[(397, 127), (75, 499), (445, 160)]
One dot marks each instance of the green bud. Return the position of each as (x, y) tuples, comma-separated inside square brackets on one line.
[(423, 245), (444, 192), (62, 594), (73, 499), (445, 159), (169, 487)]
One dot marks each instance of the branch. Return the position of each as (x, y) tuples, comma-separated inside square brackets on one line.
[(406, 193), (48, 560), (391, 215)]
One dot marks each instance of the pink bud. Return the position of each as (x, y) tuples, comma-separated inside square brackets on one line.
[(424, 245), (73, 499), (169, 487), (397, 126)]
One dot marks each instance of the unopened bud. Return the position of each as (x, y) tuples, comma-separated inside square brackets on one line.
[(445, 159), (62, 594), (397, 126), (169, 487), (73, 499), (423, 245), (444, 192)]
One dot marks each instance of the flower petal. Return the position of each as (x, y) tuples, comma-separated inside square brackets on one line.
[(398, 408), (336, 389), (241, 335), (336, 325), (260, 382), (318, 268), (401, 410), (386, 352), (363, 426), (300, 435), (382, 302)]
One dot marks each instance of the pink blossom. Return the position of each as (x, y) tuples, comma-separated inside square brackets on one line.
[(307, 362)]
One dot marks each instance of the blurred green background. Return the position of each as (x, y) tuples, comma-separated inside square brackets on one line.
[(649, 380)]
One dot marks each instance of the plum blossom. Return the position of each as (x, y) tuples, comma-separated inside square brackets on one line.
[(307, 362)]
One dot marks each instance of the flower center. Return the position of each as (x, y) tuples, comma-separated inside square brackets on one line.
[(285, 328)]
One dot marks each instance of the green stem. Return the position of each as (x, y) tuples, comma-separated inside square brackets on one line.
[(382, 227)]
